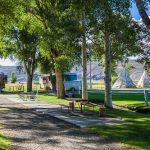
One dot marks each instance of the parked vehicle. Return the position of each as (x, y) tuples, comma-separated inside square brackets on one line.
[(71, 83)]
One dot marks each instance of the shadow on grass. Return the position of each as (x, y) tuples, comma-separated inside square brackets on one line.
[(132, 134), (136, 132)]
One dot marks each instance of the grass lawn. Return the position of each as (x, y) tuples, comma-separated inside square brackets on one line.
[(52, 100), (4, 143), (135, 132), (118, 98)]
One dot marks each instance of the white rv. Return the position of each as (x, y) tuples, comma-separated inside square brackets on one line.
[(70, 82)]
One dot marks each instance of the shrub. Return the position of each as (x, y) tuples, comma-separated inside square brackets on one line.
[(13, 77), (114, 78)]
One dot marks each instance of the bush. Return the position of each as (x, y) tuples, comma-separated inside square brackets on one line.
[(36, 82), (114, 78), (13, 77)]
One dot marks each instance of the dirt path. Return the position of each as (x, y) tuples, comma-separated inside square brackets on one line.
[(30, 131)]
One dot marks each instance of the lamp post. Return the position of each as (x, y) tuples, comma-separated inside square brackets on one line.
[(147, 65)]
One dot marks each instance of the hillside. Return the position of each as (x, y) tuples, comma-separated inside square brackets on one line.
[(96, 71)]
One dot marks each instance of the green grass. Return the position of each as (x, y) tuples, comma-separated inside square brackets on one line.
[(118, 98), (52, 100), (135, 132), (4, 143)]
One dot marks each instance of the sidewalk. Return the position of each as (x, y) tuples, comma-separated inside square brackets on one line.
[(77, 119)]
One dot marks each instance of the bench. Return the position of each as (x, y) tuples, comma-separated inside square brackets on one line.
[(88, 104), (22, 96), (70, 106), (27, 96)]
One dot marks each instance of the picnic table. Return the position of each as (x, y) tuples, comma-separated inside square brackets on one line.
[(27, 96), (77, 100)]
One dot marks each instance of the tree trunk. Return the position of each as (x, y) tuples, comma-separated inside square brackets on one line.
[(60, 84), (84, 68), (53, 81), (142, 12), (29, 83), (90, 74), (84, 59), (108, 92)]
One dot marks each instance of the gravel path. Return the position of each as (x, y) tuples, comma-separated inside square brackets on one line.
[(31, 131)]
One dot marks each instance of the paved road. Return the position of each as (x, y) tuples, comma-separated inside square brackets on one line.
[(30, 131)]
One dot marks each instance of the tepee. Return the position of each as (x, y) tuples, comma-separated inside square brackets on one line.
[(124, 81), (144, 80)]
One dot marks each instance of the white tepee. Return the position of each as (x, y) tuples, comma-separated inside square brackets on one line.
[(124, 81), (144, 80)]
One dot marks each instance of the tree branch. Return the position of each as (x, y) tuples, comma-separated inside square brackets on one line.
[(142, 11)]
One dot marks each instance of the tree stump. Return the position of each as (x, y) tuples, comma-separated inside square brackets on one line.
[(102, 111)]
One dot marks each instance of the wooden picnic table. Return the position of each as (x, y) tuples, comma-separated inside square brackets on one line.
[(77, 100)]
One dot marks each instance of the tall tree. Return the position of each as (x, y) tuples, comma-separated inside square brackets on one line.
[(22, 43), (112, 27), (141, 5), (84, 56), (61, 32)]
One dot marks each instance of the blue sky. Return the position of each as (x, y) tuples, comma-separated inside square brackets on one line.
[(134, 13)]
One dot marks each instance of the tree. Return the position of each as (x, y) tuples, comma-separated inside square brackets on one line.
[(13, 77), (84, 10), (46, 66), (60, 34), (113, 36), (144, 39), (144, 56), (84, 55), (22, 43), (141, 5)]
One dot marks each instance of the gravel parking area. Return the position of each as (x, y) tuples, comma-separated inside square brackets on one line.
[(32, 131)]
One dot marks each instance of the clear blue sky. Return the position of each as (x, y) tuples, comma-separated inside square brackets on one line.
[(134, 13)]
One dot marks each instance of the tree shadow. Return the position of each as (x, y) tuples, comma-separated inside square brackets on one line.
[(26, 126)]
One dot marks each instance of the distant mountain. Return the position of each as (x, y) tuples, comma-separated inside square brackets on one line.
[(21, 77), (96, 71)]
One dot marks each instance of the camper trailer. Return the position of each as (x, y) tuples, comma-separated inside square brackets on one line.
[(3, 80), (70, 82)]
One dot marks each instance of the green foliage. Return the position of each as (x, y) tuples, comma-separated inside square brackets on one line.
[(45, 65), (63, 63), (36, 82), (113, 79), (13, 77), (129, 67)]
